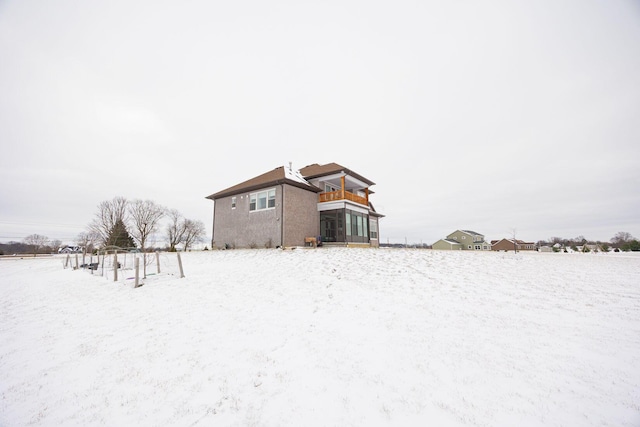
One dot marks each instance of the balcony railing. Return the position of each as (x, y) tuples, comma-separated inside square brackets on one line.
[(333, 196)]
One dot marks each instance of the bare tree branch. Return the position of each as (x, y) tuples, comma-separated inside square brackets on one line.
[(36, 241), (175, 229), (109, 213), (144, 216), (194, 232)]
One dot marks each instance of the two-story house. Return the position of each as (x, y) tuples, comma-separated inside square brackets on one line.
[(283, 207), (463, 240)]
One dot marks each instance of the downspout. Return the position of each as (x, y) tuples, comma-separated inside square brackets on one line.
[(282, 216), (213, 224)]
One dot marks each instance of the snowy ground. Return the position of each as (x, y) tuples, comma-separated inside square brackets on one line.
[(326, 337)]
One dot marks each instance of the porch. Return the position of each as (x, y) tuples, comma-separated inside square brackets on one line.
[(332, 196)]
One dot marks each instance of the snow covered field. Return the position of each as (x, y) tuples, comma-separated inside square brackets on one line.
[(326, 337)]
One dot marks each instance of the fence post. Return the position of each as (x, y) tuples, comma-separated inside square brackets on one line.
[(158, 260), (66, 262), (180, 265), (91, 263), (137, 264), (76, 261), (115, 266)]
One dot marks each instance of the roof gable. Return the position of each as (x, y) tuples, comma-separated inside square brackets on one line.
[(315, 170), (473, 233), (277, 176)]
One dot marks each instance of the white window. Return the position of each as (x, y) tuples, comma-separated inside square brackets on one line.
[(262, 200), (469, 247), (373, 228), (233, 203), (464, 237)]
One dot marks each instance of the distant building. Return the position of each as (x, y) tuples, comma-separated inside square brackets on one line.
[(465, 240), (511, 244)]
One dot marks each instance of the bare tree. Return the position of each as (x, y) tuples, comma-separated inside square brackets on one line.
[(621, 238), (109, 213), (145, 216), (55, 245), (194, 232), (87, 239), (36, 241), (515, 242), (175, 229)]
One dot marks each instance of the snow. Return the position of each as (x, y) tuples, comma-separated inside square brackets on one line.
[(294, 175), (327, 336)]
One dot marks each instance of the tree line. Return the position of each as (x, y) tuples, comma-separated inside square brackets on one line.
[(622, 241), (123, 223)]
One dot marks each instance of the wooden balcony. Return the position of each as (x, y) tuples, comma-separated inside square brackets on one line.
[(333, 196)]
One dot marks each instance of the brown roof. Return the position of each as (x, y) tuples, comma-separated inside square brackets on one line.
[(274, 177), (316, 170)]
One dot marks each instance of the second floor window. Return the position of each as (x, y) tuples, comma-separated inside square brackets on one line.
[(233, 203), (262, 200)]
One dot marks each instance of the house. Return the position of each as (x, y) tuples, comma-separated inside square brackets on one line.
[(287, 207), (463, 240), (510, 245), (447, 244)]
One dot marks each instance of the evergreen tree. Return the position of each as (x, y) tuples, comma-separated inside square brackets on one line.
[(119, 236)]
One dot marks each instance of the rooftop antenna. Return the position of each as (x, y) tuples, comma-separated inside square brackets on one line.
[(290, 164)]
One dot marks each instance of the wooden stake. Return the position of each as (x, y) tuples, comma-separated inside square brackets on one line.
[(180, 265), (137, 264), (158, 261), (115, 266)]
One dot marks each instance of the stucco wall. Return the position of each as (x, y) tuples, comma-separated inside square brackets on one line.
[(301, 218), (240, 228)]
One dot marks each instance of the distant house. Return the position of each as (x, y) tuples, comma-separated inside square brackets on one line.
[(465, 240), (510, 245), (447, 244), (287, 207)]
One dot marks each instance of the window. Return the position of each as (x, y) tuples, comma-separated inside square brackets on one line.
[(262, 200), (233, 203), (464, 237), (373, 226), (477, 247), (271, 202)]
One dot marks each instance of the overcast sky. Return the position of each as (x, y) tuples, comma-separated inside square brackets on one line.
[(489, 116)]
